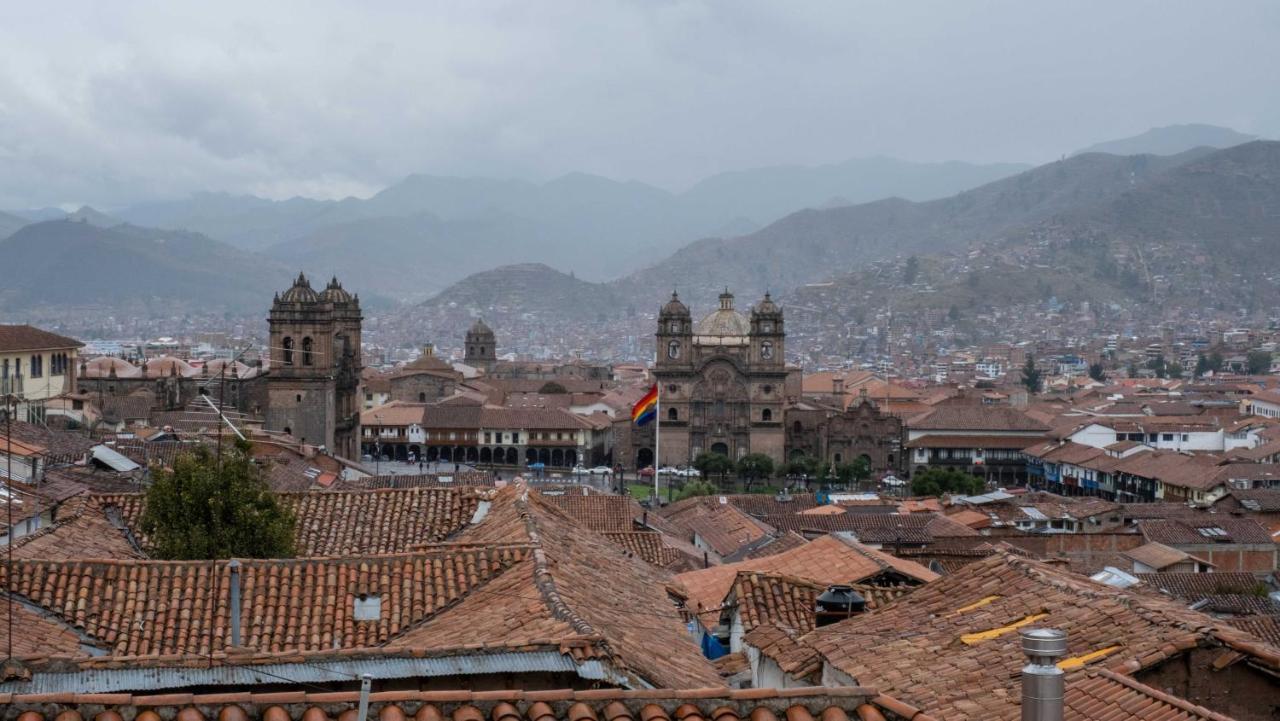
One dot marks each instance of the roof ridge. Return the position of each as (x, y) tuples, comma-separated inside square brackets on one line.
[(545, 582)]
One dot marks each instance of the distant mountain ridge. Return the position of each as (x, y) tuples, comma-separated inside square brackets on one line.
[(1155, 211), (76, 263), (1171, 140), (598, 227)]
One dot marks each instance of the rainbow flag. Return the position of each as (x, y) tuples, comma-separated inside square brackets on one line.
[(647, 408)]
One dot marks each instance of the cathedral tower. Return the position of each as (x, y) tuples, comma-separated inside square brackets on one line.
[(313, 385), (481, 347)]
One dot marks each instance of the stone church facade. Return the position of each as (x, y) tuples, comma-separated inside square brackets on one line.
[(722, 381), (313, 388)]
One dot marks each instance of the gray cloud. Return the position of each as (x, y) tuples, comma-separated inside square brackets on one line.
[(111, 103)]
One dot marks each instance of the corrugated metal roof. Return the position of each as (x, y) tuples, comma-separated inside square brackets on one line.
[(331, 670), (114, 459)]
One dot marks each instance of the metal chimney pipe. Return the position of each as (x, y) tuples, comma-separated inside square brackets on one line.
[(234, 565), (1043, 683)]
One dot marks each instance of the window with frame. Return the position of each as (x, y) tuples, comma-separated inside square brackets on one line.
[(306, 351), (287, 345)]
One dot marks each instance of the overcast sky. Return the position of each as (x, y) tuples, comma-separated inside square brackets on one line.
[(110, 103)]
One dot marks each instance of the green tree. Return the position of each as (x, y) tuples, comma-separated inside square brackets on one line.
[(911, 270), (696, 488), (754, 467), (206, 508), (713, 464), (937, 481), (853, 472), (1032, 378), (1157, 365), (1216, 361), (1202, 365), (802, 466), (1258, 362), (1173, 370), (1097, 372)]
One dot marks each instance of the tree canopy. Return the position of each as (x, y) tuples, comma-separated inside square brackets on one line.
[(206, 508), (712, 464), (755, 466), (937, 481), (1032, 378), (1258, 362)]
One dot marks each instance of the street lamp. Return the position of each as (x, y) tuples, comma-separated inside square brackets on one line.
[(377, 447)]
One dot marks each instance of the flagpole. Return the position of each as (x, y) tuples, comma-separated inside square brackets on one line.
[(657, 442)]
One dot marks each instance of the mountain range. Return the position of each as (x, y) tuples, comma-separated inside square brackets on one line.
[(417, 237), (75, 263), (1154, 211), (1171, 140)]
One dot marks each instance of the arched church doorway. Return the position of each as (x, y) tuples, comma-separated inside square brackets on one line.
[(644, 458), (721, 448)]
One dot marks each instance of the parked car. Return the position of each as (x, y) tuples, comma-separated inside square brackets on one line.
[(646, 472), (579, 470), (668, 471), (601, 471), (689, 473)]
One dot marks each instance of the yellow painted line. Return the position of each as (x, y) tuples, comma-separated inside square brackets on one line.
[(1075, 662), (970, 639), (976, 604)]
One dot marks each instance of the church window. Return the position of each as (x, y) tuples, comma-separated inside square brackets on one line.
[(673, 414), (481, 350), (288, 351), (675, 326), (673, 349), (422, 397), (673, 388), (766, 350), (766, 389), (797, 427), (298, 398), (838, 458), (306, 351), (766, 415)]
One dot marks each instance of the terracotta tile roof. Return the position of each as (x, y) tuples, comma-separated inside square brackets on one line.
[(1157, 555), (784, 601), (1264, 626), (15, 338), (779, 544), (876, 528), (698, 704), (650, 546), (173, 608), (1237, 604), (1192, 587), (798, 660), (1261, 500), (59, 446), (825, 561), (597, 511), (352, 522), (726, 529), (80, 530), (971, 518), (586, 584), (1188, 531), (976, 418), (1112, 696), (974, 615)]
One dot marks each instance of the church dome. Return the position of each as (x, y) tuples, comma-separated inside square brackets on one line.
[(334, 292), (674, 306), (167, 365), (300, 292), (725, 321), (479, 328), (103, 367)]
